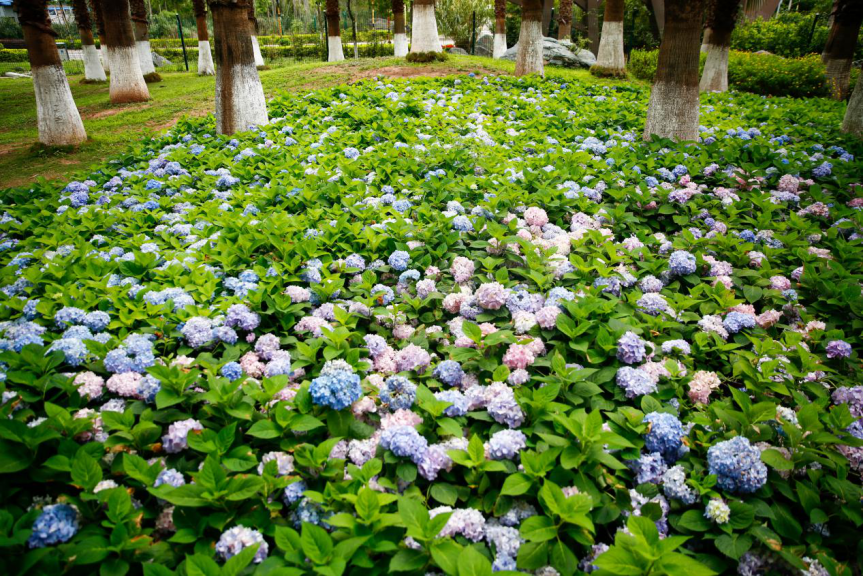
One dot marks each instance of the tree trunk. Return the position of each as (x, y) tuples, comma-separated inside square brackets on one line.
[(853, 122), (142, 41), (705, 41), (528, 60), (240, 99), (500, 28), (547, 7), (334, 33), (205, 55), (424, 36), (93, 71), (96, 6), (127, 81), (721, 18), (673, 108), (610, 60), (57, 117), (654, 24), (658, 9), (830, 21), (253, 35), (592, 14), (839, 52), (564, 20), (400, 39)]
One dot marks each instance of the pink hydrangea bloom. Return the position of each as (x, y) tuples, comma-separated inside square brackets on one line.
[(535, 216)]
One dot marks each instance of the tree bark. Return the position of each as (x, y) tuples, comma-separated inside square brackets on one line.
[(240, 99), (721, 18), (658, 9), (610, 60), (500, 28), (564, 20), (654, 24), (334, 34), (592, 14), (400, 39), (127, 81), (424, 37), (93, 71), (529, 60), (253, 35), (547, 7), (839, 52), (142, 40), (96, 6), (57, 118), (673, 108), (853, 122), (205, 54)]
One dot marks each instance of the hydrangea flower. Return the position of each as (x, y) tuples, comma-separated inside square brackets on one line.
[(630, 348), (665, 435), (398, 393), (737, 465), (234, 540), (56, 523), (405, 442), (336, 390), (175, 440)]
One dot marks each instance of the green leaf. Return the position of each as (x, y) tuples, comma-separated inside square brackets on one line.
[(776, 460), (86, 472), (367, 504), (414, 515), (408, 561), (752, 293), (200, 565), (476, 450), (538, 529), (516, 485), (236, 564), (444, 493), (532, 555), (695, 521), (563, 559), (472, 563), (265, 429), (287, 539), (316, 543), (677, 563), (151, 569), (445, 553), (472, 331), (734, 545)]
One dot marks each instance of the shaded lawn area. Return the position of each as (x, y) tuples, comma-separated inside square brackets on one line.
[(112, 129)]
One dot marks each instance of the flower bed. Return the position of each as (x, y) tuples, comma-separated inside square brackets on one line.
[(445, 326)]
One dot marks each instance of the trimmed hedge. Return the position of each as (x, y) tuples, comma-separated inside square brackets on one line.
[(306, 52), (13, 55), (765, 74)]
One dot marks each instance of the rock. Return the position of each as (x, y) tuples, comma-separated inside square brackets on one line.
[(484, 45), (558, 53), (764, 52), (457, 50), (159, 60), (16, 75)]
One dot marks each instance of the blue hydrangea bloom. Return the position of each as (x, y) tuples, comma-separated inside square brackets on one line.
[(398, 393), (449, 372), (737, 465), (405, 442), (681, 263), (665, 436), (57, 523), (399, 260), (336, 390), (232, 371)]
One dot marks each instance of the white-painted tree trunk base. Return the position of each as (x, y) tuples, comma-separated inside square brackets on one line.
[(610, 55), (672, 112), (334, 49), (93, 71), (127, 81), (499, 45), (205, 59), (145, 57), (103, 58), (424, 36), (853, 121), (56, 115), (528, 59), (400, 45), (256, 50), (715, 75), (247, 105)]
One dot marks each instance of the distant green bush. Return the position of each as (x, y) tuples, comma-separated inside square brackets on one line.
[(785, 35), (757, 73), (305, 52), (13, 55)]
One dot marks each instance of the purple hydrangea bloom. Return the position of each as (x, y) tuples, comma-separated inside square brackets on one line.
[(630, 348), (838, 349), (738, 465), (170, 477), (239, 316), (449, 372), (399, 260), (233, 541), (405, 442), (506, 444), (294, 492), (634, 381), (734, 322), (674, 485), (681, 263), (649, 468), (175, 440), (57, 523)]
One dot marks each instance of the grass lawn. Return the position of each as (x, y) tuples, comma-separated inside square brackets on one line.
[(113, 129)]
